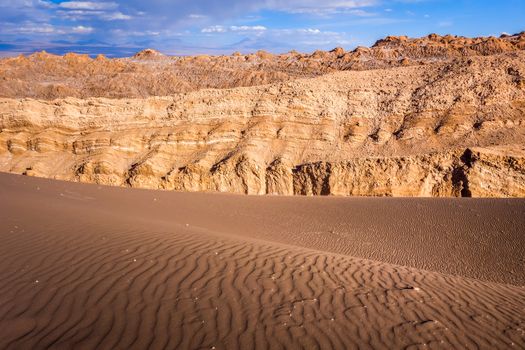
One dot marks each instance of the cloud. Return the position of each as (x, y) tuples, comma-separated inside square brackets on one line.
[(310, 31), (88, 5), (214, 29), (172, 26), (214, 26), (247, 28), (84, 15), (116, 16), (170, 12), (90, 10), (223, 29), (38, 29), (82, 30), (163, 14), (321, 8), (303, 39)]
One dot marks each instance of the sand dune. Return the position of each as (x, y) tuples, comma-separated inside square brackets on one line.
[(84, 266)]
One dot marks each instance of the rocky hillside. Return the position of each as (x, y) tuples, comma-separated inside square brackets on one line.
[(150, 73), (454, 127)]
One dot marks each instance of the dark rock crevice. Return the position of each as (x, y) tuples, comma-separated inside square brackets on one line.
[(460, 179)]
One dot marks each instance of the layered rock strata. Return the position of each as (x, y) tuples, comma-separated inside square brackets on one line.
[(443, 129)]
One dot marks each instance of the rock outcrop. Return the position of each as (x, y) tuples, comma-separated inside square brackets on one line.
[(149, 73), (148, 54), (452, 128)]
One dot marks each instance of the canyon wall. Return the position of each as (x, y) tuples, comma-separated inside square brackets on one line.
[(454, 128)]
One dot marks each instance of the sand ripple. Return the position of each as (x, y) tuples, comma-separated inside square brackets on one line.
[(115, 283)]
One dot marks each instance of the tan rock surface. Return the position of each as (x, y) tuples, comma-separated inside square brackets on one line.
[(453, 128), (149, 73)]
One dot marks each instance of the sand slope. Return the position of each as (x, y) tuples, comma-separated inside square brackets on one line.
[(92, 267)]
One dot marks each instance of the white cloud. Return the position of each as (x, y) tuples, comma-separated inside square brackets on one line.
[(82, 30), (146, 33), (87, 10), (302, 32), (214, 29), (37, 29), (247, 28), (48, 29), (45, 4), (115, 16), (88, 5), (82, 15), (309, 31), (315, 7), (223, 29)]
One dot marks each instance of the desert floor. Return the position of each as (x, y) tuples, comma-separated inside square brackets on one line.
[(87, 266)]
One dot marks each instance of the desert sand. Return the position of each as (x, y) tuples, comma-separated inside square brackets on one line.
[(88, 266), (145, 264)]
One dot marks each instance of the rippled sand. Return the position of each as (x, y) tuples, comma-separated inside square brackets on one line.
[(84, 266)]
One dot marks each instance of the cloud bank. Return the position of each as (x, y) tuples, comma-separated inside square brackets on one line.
[(118, 27)]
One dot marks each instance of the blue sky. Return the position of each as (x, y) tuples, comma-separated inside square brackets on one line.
[(122, 27)]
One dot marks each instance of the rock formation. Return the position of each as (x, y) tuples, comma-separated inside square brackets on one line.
[(451, 127), (148, 54), (149, 73)]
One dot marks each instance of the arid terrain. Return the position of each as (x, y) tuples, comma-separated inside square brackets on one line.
[(150, 73), (440, 116), (89, 266), (141, 264)]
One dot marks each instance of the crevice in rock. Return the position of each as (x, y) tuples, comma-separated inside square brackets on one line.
[(460, 179), (130, 174), (468, 158), (312, 179), (325, 189)]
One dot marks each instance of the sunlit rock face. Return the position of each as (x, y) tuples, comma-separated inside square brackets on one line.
[(453, 127), (150, 73)]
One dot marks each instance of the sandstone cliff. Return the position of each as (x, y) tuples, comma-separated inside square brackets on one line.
[(451, 128)]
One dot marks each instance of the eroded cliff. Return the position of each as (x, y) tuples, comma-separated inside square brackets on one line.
[(451, 128)]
